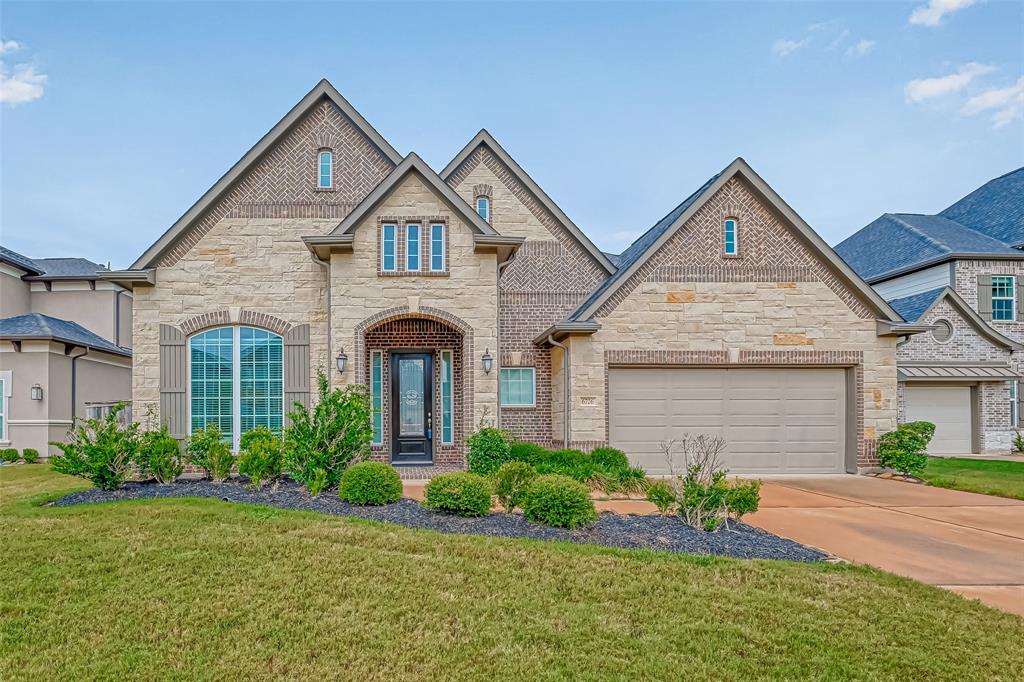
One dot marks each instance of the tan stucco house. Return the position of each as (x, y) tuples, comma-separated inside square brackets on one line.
[(65, 347), (467, 297)]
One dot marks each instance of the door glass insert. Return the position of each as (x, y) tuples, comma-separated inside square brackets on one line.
[(410, 396)]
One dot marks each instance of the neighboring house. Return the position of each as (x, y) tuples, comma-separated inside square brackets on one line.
[(962, 273), (65, 347), (468, 297)]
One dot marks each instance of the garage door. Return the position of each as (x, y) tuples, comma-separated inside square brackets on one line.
[(773, 420), (949, 408)]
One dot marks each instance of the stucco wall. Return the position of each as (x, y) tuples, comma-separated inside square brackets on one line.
[(78, 302), (14, 293)]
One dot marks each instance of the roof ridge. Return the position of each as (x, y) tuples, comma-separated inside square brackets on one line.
[(925, 237)]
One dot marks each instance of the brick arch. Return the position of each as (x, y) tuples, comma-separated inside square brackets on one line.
[(222, 318)]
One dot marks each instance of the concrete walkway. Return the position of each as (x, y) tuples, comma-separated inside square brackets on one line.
[(972, 544)]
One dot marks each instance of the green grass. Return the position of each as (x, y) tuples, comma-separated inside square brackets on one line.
[(989, 477), (204, 590)]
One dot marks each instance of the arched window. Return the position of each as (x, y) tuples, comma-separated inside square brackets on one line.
[(483, 207), (325, 169), (236, 380)]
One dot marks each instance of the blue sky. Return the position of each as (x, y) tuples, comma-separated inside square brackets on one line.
[(117, 117)]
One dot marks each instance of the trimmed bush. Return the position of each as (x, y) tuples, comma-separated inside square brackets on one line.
[(609, 459), (258, 433), (662, 496), (743, 498), (261, 457), (30, 455), (370, 483), (220, 461), (463, 493), (100, 450), (9, 455), (511, 482), (489, 448), (201, 442), (558, 500), (160, 456), (924, 429), (903, 450)]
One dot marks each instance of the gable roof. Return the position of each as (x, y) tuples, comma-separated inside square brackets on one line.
[(322, 90), (895, 243), (648, 243), (39, 326), (916, 307), (486, 139), (21, 262), (995, 209)]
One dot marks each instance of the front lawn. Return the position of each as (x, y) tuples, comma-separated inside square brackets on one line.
[(203, 589), (988, 477)]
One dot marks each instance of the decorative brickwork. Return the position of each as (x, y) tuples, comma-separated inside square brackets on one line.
[(248, 318), (272, 323), (217, 318)]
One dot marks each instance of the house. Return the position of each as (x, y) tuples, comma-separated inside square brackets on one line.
[(961, 273), (65, 347), (467, 297)]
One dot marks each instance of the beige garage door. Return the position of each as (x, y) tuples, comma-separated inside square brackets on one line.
[(773, 420), (949, 408)]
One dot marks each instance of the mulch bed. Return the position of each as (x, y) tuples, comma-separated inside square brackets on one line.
[(611, 530)]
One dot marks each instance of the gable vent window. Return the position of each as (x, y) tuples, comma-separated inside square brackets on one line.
[(412, 247), (483, 207), (731, 243), (1002, 298), (325, 172)]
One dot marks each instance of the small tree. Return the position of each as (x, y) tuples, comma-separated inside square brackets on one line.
[(99, 450)]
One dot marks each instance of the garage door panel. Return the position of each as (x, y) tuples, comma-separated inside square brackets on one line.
[(949, 408), (773, 420)]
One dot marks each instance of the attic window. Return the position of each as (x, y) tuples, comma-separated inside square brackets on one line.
[(942, 331), (325, 169), (483, 207), (731, 246)]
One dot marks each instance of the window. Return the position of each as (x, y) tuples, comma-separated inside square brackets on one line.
[(1014, 407), (377, 392), (943, 331), (388, 260), (236, 380), (446, 396), (325, 172), (412, 247), (517, 386), (730, 237), (437, 248), (1002, 298), (483, 207)]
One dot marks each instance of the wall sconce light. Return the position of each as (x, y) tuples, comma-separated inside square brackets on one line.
[(342, 361), (36, 392), (488, 361)]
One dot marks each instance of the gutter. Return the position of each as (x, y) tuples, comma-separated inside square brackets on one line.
[(565, 375), (74, 380)]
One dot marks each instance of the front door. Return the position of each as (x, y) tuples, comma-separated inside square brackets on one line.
[(412, 393)]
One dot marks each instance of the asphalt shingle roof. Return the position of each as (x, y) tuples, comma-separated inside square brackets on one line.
[(897, 241), (995, 209), (911, 308), (39, 326), (68, 267), (19, 261)]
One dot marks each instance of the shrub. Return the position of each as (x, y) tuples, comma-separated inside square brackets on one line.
[(9, 455), (903, 450), (489, 448), (609, 459), (220, 461), (30, 455), (322, 442), (317, 482), (201, 442), (370, 483), (463, 493), (531, 453), (160, 456), (100, 450), (558, 500), (661, 495), (743, 498), (572, 463), (1018, 442), (924, 429), (511, 482), (702, 503), (260, 458)]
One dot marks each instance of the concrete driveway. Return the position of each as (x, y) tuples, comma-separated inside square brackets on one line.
[(972, 544)]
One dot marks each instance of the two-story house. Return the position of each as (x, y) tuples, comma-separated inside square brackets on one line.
[(467, 297), (65, 347), (960, 272)]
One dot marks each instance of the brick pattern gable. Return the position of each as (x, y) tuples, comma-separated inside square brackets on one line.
[(282, 184), (768, 251)]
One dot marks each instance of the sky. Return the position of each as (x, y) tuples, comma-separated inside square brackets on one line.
[(115, 118)]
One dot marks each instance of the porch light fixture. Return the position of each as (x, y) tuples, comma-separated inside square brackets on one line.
[(342, 361), (488, 361), (36, 392)]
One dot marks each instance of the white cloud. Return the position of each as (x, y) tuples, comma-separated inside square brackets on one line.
[(1007, 104), (860, 48), (932, 13), (23, 84), (9, 46), (927, 88), (784, 48)]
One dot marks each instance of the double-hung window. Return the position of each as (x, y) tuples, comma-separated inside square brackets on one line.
[(412, 247), (388, 257), (1002, 298), (729, 229), (325, 169), (437, 247), (517, 386), (483, 208)]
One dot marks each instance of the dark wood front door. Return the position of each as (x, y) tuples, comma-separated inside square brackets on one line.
[(412, 408)]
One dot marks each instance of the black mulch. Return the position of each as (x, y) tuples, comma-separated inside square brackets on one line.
[(611, 530)]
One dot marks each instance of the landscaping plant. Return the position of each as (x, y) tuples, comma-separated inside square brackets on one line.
[(1018, 442), (336, 433), (462, 493), (220, 461), (511, 482), (99, 450), (30, 455), (160, 456), (201, 443), (904, 448), (260, 458), (558, 500), (489, 448), (317, 482), (370, 483), (743, 497), (609, 459), (9, 455), (662, 496)]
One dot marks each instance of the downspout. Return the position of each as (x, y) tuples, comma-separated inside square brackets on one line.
[(565, 379), (497, 331), (117, 317), (74, 380), (327, 271)]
